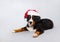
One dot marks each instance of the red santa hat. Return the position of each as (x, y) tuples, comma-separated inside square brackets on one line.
[(30, 12)]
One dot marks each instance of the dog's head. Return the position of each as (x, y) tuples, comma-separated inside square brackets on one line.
[(32, 17)]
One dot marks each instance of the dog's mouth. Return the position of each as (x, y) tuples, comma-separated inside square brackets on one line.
[(31, 23)]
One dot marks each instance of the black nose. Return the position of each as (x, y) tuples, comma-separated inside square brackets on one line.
[(30, 22)]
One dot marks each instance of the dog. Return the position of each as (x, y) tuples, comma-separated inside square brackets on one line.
[(35, 23)]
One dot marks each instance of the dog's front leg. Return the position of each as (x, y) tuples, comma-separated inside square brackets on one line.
[(38, 32), (20, 30)]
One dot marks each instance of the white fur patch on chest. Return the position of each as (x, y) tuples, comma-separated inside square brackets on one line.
[(30, 29)]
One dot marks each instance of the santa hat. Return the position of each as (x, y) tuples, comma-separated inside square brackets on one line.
[(31, 12)]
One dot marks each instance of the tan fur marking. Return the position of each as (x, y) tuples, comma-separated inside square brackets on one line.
[(33, 23), (37, 32)]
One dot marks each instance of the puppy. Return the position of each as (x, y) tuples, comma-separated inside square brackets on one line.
[(36, 24)]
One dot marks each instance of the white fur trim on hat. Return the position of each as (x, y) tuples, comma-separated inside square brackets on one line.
[(33, 13)]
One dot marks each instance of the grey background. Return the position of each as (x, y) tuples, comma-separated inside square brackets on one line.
[(12, 16)]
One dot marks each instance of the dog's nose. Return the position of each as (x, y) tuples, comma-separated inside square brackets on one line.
[(30, 22)]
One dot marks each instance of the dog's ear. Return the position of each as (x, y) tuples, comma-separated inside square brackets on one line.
[(36, 18)]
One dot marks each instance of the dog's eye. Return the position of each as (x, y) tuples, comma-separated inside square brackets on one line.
[(28, 18)]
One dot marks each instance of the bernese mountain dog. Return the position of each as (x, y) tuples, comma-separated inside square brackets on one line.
[(35, 23)]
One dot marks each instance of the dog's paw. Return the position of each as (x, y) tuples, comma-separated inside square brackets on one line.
[(35, 35), (14, 31)]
